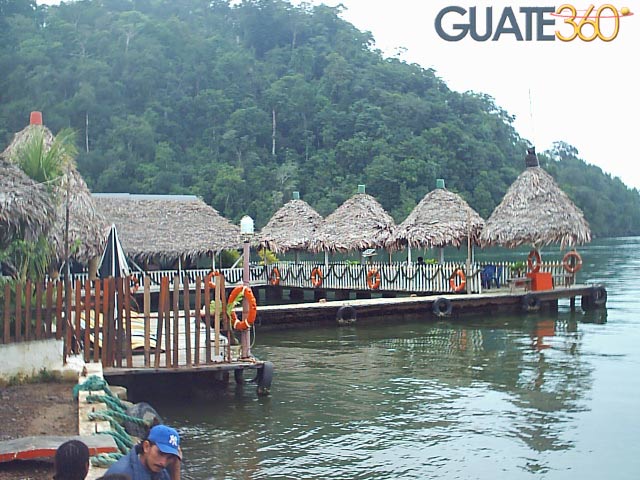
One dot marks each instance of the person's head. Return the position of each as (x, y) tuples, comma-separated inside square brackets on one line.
[(420, 260), (71, 461), (160, 448)]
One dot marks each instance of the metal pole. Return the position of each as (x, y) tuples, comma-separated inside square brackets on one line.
[(245, 344)]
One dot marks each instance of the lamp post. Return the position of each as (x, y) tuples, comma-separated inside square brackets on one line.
[(246, 232)]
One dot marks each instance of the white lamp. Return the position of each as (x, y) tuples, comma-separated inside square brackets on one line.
[(246, 225)]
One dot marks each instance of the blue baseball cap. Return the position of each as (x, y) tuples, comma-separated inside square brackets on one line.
[(166, 439)]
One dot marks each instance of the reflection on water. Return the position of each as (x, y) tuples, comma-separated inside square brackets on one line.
[(535, 396)]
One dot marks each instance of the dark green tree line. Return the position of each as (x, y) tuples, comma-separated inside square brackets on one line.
[(244, 104)]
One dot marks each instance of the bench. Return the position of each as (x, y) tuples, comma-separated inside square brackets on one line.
[(519, 282)]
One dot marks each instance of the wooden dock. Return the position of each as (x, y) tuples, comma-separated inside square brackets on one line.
[(495, 301)]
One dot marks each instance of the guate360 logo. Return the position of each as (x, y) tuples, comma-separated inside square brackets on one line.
[(532, 23)]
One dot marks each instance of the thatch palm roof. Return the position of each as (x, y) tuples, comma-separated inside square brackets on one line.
[(87, 228), (441, 218), (26, 210), (292, 227), (357, 224), (537, 212), (167, 227)]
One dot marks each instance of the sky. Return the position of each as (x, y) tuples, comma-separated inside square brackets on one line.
[(583, 93)]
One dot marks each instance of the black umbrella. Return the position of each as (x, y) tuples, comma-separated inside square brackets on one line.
[(114, 261)]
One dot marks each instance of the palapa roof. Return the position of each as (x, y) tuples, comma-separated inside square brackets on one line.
[(537, 212), (292, 227), (441, 218), (26, 210), (359, 223), (87, 228), (167, 227)]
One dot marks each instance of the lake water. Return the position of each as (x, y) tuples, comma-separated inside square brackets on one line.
[(539, 396)]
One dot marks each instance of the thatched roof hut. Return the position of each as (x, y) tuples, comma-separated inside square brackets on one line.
[(87, 228), (442, 218), (359, 223), (535, 211), (292, 227), (167, 227), (26, 210)]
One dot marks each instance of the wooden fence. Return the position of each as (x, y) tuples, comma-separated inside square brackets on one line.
[(102, 321)]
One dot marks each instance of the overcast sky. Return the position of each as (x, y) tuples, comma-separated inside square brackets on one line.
[(584, 93)]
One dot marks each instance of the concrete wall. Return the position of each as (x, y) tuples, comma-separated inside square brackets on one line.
[(29, 358)]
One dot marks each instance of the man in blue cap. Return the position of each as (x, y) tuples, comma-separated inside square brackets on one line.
[(157, 457)]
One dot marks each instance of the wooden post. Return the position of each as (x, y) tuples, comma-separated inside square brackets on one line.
[(27, 311), (6, 318), (176, 319), (207, 318), (17, 333), (198, 321), (127, 318), (167, 325), (106, 295), (39, 332), (49, 307), (187, 321), (87, 320), (164, 286), (59, 322), (111, 323), (77, 313), (225, 318), (119, 321), (68, 327), (147, 320), (96, 322)]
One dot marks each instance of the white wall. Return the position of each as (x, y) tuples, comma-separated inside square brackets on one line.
[(29, 358)]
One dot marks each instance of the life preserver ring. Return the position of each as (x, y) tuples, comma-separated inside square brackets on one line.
[(534, 261), (210, 277), (442, 307), (233, 301), (572, 261), (530, 303), (346, 315), (316, 277), (457, 280), (274, 278), (373, 279), (135, 285)]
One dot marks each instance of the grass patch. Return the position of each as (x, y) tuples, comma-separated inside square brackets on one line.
[(43, 376)]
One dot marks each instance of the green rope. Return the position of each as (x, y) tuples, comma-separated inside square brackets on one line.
[(105, 460), (114, 403), (93, 383), (116, 416)]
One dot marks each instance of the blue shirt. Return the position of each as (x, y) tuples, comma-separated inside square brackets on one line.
[(131, 465)]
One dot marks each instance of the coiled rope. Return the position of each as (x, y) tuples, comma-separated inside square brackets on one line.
[(115, 414)]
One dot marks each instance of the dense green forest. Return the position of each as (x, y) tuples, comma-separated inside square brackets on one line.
[(243, 104)]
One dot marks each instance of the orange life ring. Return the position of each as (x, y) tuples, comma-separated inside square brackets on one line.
[(373, 279), (274, 279), (135, 285), (572, 261), (458, 280), (316, 277), (534, 261), (245, 323), (209, 279)]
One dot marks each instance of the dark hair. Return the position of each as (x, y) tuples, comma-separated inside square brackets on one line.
[(115, 476), (71, 461)]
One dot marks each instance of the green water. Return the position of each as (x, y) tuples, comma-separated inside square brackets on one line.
[(529, 397)]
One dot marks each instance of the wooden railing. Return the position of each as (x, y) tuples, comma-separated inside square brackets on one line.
[(102, 321)]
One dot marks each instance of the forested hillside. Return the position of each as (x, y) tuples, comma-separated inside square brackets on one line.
[(244, 104)]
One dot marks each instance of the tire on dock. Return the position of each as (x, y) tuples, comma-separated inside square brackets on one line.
[(264, 379), (346, 315), (442, 307), (530, 303), (145, 412)]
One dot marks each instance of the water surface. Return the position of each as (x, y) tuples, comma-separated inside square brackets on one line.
[(538, 396)]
